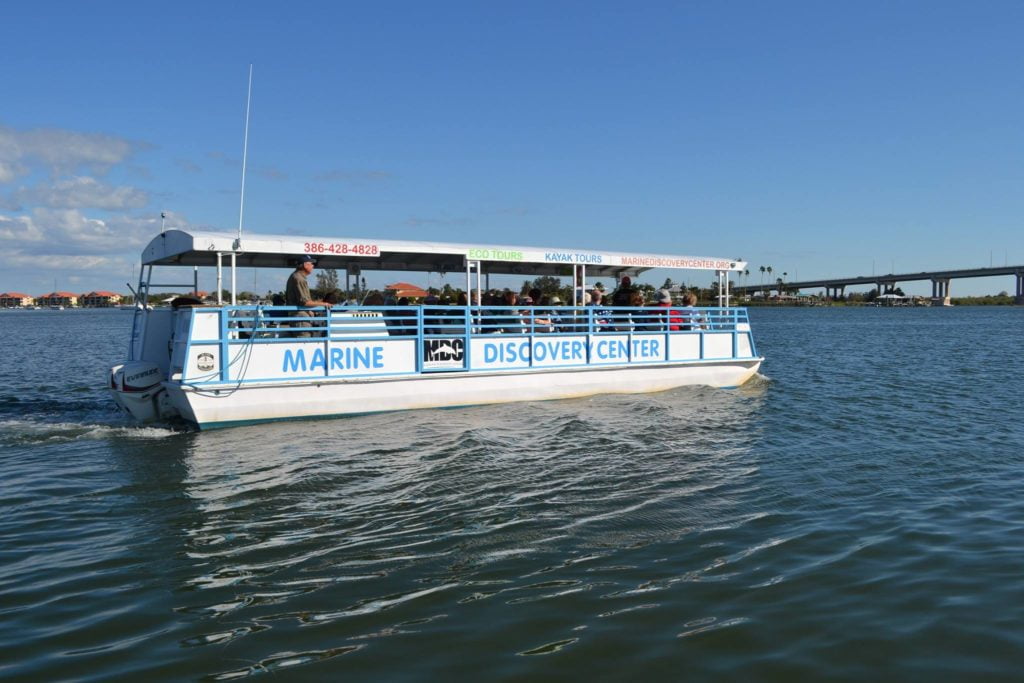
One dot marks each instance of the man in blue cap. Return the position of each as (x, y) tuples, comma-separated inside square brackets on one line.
[(296, 293)]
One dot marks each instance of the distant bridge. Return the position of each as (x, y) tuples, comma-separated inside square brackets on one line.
[(836, 287)]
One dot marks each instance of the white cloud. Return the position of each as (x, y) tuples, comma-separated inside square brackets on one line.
[(9, 171), (81, 192), (68, 244), (59, 218), (59, 151), (15, 230), (70, 233)]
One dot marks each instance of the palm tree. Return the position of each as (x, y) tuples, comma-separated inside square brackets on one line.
[(762, 280), (784, 278), (769, 269)]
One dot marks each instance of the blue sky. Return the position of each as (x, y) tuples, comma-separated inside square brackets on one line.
[(823, 139)]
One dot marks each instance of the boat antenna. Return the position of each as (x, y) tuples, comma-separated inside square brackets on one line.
[(245, 152), (163, 217)]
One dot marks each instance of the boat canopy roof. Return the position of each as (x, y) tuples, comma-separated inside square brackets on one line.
[(186, 248)]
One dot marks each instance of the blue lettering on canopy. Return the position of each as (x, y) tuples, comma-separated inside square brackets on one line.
[(568, 257)]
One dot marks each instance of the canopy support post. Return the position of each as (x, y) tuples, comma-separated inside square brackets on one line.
[(220, 278), (479, 294), (233, 280)]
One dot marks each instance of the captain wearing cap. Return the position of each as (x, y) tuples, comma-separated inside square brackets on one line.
[(296, 293)]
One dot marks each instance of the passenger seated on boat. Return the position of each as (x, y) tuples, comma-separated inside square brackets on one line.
[(575, 320), (622, 297), (671, 318), (624, 292), (272, 316), (331, 298), (458, 316), (555, 319), (433, 317), (394, 320), (449, 320), (539, 319), (511, 323), (526, 310), (296, 293), (601, 313), (488, 320), (643, 321), (185, 302), (406, 319), (690, 319)]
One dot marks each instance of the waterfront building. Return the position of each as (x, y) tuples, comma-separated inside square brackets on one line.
[(100, 299), (400, 289), (57, 299), (15, 300)]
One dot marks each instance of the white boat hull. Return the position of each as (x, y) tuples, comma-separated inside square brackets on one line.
[(248, 403)]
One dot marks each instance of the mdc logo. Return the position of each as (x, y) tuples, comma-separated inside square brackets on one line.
[(444, 353)]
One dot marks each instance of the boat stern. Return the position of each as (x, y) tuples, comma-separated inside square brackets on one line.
[(137, 387)]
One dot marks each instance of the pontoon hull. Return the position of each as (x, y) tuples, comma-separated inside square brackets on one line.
[(249, 403)]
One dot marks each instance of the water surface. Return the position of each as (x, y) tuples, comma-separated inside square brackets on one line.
[(855, 512)]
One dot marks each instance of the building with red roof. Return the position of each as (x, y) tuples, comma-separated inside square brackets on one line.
[(58, 299), (100, 299), (400, 289), (15, 300)]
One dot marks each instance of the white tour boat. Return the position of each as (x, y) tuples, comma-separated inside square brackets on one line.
[(228, 364)]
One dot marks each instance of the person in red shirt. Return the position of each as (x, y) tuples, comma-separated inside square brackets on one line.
[(673, 317)]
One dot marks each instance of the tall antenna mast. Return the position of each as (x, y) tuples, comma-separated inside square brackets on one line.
[(245, 152)]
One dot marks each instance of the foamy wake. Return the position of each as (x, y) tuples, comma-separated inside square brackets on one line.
[(38, 432)]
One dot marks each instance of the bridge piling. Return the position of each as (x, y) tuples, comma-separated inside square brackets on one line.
[(1019, 298), (940, 292)]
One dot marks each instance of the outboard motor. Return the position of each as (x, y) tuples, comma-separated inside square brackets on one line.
[(136, 387)]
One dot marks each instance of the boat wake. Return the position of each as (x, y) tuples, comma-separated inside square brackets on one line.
[(28, 431)]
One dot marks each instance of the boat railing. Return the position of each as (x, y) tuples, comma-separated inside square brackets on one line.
[(449, 338), (279, 323)]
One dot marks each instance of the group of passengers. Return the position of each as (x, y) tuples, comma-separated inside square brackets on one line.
[(506, 312), (536, 312)]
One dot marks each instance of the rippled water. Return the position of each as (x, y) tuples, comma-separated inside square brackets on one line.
[(854, 513)]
